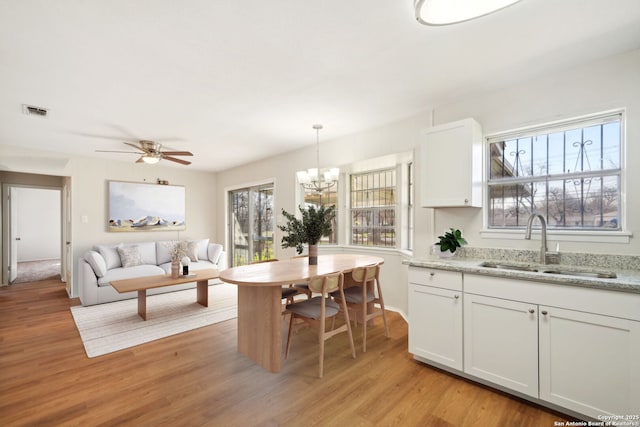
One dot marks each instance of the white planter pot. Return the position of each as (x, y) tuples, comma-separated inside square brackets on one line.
[(445, 254)]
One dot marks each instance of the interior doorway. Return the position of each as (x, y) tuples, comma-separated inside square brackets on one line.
[(38, 233), (35, 233), (36, 227)]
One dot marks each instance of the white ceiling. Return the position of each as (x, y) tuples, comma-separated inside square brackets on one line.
[(234, 81)]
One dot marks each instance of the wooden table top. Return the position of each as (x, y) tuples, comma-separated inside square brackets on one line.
[(148, 282), (296, 270)]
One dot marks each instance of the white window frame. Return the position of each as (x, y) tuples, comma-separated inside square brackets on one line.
[(595, 236)]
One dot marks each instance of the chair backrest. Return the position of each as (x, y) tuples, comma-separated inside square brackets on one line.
[(330, 282), (365, 274)]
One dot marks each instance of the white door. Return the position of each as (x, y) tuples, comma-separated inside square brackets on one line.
[(589, 363), (13, 234), (435, 324), (501, 342)]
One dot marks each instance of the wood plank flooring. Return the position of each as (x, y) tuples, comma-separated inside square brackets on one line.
[(199, 379)]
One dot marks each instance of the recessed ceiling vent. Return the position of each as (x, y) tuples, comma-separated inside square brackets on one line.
[(32, 110)]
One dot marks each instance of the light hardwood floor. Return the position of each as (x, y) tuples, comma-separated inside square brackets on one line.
[(198, 378)]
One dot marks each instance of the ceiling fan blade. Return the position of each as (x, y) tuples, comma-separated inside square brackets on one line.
[(173, 159), (117, 151), (136, 146), (178, 153)]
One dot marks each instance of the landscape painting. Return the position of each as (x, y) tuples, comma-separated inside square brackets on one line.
[(146, 207)]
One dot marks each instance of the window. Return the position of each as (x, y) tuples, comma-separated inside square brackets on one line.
[(373, 208), (326, 198), (251, 225), (569, 172)]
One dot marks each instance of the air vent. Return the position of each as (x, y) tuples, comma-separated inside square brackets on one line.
[(32, 110)]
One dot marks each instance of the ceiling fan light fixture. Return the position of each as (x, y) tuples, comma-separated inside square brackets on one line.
[(150, 159), (446, 12)]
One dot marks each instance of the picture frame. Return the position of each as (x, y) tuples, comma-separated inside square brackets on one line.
[(142, 206)]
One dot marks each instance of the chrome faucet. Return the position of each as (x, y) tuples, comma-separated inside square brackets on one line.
[(543, 239)]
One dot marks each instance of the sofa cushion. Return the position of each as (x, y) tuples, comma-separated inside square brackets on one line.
[(163, 251), (130, 256), (213, 252), (192, 251), (110, 255), (96, 261), (129, 273), (203, 245), (148, 252)]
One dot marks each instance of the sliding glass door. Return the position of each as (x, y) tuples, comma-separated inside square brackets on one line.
[(251, 224)]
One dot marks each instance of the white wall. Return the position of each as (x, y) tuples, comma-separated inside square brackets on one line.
[(598, 86), (38, 222), (89, 195)]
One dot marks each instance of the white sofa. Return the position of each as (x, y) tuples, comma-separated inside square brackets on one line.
[(98, 267)]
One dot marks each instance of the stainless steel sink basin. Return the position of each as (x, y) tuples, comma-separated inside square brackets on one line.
[(507, 266), (547, 269)]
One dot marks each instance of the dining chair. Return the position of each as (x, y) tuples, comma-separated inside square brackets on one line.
[(362, 298), (303, 288), (288, 292), (317, 310)]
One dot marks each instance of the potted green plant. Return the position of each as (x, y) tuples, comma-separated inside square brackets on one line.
[(448, 243), (314, 224)]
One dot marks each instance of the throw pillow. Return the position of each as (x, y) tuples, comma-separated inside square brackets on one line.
[(110, 255), (202, 248), (192, 251), (96, 261), (214, 252), (130, 256)]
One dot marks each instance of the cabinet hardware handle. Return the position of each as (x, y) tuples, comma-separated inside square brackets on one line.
[(432, 274), (456, 296), (544, 312), (531, 310)]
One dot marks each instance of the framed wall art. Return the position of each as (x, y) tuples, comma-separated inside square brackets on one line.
[(137, 206)]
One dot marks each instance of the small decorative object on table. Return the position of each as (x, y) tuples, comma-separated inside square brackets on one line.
[(178, 251), (448, 244), (315, 224), (185, 265)]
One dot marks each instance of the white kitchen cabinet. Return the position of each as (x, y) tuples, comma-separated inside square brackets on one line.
[(589, 363), (450, 159), (435, 316), (501, 342)]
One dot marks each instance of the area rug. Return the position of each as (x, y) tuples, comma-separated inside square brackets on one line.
[(33, 271), (106, 328)]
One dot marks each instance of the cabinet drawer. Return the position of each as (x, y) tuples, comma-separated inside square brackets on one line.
[(434, 277)]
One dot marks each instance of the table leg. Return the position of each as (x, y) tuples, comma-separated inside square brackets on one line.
[(142, 304), (259, 325), (203, 292)]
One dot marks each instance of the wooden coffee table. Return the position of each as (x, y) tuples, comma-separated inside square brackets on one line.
[(141, 284)]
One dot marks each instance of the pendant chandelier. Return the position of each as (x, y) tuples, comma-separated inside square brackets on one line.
[(315, 179)]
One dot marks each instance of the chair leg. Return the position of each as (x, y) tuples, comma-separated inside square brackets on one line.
[(384, 315), (321, 343), (286, 353), (349, 332), (364, 326)]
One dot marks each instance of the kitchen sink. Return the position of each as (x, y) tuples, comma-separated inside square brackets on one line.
[(547, 269), (507, 266)]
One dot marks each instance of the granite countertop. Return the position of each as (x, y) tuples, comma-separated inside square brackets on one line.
[(627, 276)]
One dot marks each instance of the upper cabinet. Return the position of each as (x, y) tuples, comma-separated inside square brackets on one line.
[(451, 165)]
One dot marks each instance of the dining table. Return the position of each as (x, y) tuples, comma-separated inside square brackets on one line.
[(260, 299)]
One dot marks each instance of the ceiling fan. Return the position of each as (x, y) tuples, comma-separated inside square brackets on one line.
[(151, 152)]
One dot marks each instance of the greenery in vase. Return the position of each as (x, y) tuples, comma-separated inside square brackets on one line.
[(315, 224), (451, 241)]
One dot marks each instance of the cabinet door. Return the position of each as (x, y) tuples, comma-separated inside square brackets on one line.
[(589, 363), (451, 165), (501, 342), (435, 324)]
